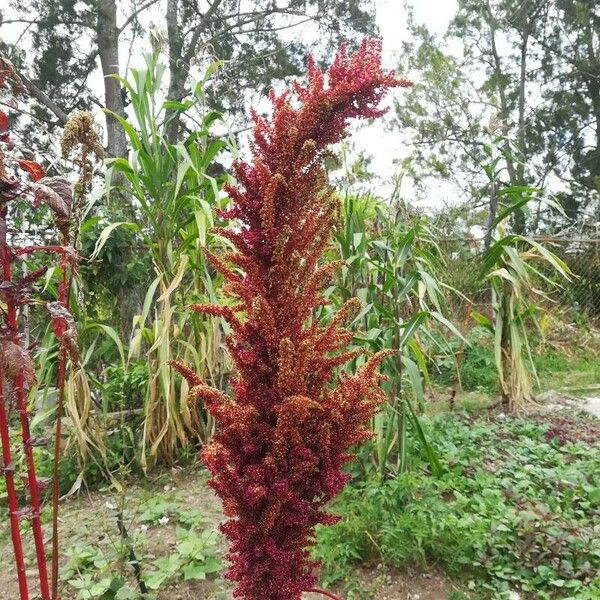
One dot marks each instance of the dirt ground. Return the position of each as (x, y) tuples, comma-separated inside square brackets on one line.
[(87, 519)]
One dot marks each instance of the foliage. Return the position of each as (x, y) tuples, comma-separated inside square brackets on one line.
[(572, 104), (100, 569), (64, 39), (515, 509), (481, 75), (275, 460), (393, 264), (124, 388), (194, 558), (174, 193), (476, 367)]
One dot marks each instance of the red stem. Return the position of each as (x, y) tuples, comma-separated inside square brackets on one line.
[(13, 502), (34, 492), (324, 593), (63, 286)]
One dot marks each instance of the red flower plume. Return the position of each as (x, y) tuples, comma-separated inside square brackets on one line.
[(283, 438)]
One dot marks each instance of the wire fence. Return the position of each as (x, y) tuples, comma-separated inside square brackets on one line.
[(580, 296)]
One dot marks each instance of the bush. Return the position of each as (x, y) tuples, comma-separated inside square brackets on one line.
[(124, 389), (476, 364)]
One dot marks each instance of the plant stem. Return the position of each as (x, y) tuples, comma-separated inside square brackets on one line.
[(13, 503), (60, 384), (133, 559), (19, 390), (55, 486), (323, 593)]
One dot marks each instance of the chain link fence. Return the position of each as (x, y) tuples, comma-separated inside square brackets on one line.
[(581, 295)]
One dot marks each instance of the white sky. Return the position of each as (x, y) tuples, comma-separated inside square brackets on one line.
[(386, 146)]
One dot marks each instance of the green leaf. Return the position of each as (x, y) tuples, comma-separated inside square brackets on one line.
[(411, 326), (194, 571), (482, 321), (126, 593), (105, 234), (448, 324), (436, 467), (129, 130), (114, 336)]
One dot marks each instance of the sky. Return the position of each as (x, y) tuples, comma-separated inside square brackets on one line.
[(375, 139)]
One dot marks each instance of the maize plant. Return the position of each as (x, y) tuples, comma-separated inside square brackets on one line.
[(174, 195), (512, 265), (393, 264), (284, 436)]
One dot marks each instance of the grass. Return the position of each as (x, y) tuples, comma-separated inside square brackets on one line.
[(575, 374), (572, 367)]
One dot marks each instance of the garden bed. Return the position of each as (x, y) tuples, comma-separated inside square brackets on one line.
[(515, 511)]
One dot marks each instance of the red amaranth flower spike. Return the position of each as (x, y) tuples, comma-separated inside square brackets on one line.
[(3, 122), (282, 440)]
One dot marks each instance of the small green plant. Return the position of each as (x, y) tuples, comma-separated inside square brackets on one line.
[(90, 573), (477, 368), (195, 557), (124, 388), (122, 565)]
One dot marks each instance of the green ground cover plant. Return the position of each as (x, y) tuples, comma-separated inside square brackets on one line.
[(516, 509)]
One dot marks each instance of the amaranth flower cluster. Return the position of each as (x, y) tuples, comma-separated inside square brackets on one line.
[(283, 438)]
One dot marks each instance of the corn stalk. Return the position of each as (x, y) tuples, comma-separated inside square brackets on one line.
[(174, 196), (392, 265), (510, 266)]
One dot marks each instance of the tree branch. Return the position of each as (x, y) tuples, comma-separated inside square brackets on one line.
[(187, 57), (134, 15), (43, 98)]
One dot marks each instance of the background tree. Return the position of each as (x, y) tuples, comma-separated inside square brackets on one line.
[(495, 71), (571, 114), (60, 43)]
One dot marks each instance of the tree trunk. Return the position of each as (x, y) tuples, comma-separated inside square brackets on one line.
[(515, 173), (181, 57), (108, 49), (178, 67), (592, 82), (107, 34)]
